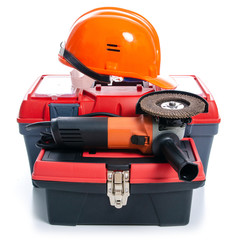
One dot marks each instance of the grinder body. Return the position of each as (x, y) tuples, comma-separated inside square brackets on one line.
[(109, 132), (104, 132)]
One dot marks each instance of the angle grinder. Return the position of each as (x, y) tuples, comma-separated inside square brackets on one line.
[(157, 130)]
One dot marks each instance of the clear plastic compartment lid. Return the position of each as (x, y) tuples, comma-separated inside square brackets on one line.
[(55, 86), (188, 84)]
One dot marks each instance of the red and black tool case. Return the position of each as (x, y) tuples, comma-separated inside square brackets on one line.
[(81, 186)]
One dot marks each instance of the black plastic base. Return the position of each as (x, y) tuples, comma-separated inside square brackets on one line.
[(165, 209), (162, 204)]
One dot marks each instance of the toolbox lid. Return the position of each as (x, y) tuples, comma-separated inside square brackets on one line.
[(58, 89), (77, 167), (193, 84)]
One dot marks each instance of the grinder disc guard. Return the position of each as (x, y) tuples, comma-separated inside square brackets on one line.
[(173, 105)]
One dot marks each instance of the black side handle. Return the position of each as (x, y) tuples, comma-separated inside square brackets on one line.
[(167, 145)]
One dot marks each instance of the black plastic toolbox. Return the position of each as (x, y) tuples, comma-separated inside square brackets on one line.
[(76, 186)]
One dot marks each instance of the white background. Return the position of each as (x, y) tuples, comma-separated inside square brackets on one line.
[(196, 37)]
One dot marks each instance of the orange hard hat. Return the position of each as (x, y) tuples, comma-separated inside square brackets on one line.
[(114, 41)]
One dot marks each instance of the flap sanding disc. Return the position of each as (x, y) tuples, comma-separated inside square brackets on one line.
[(172, 105)]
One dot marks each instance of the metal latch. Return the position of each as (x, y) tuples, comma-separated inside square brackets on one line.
[(118, 189)]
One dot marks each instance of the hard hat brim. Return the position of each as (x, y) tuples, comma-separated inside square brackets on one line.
[(165, 82)]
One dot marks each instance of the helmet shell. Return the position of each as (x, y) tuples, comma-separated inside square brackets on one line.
[(115, 41)]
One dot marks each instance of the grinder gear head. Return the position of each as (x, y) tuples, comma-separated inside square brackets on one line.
[(172, 104), (114, 41)]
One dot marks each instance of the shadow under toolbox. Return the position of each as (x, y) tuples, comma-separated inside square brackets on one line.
[(82, 186)]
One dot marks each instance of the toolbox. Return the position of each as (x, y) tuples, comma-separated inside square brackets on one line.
[(80, 185)]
